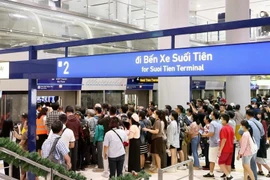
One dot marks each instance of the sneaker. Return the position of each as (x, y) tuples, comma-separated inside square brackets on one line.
[(105, 174), (260, 173), (182, 168), (223, 176), (228, 178), (98, 170), (152, 168), (209, 175)]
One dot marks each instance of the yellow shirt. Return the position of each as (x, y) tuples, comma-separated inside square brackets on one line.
[(23, 130)]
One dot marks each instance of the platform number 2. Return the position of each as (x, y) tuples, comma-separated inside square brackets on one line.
[(66, 66)]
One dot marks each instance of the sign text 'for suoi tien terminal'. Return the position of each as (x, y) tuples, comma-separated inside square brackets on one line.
[(238, 59)]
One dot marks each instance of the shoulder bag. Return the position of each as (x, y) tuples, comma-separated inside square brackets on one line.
[(51, 155), (262, 149), (119, 138)]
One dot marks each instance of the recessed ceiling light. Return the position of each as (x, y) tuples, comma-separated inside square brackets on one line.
[(198, 5)]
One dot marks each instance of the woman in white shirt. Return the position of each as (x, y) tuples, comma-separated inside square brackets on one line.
[(173, 137), (114, 148), (134, 144)]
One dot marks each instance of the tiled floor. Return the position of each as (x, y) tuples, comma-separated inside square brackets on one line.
[(198, 174)]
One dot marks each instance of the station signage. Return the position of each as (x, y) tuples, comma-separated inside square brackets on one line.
[(60, 84), (148, 80), (4, 70), (222, 60)]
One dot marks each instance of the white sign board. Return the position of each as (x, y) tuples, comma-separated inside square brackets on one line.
[(4, 70), (104, 84)]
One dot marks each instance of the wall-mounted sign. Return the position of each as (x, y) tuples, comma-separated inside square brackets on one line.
[(148, 80), (60, 84), (196, 61), (4, 70), (135, 84)]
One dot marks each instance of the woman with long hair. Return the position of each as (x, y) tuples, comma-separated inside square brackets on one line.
[(195, 139), (164, 124), (173, 137), (157, 141), (245, 149), (134, 144)]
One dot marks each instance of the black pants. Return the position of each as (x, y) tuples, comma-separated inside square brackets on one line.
[(233, 157), (116, 164), (206, 155), (81, 154), (88, 154), (74, 156), (93, 153), (15, 171)]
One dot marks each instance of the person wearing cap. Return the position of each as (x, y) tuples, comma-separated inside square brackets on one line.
[(134, 163)]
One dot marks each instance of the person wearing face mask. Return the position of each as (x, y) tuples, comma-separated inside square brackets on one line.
[(262, 152), (173, 137), (205, 141), (213, 134), (182, 118)]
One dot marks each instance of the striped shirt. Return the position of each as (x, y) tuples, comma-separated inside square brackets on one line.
[(60, 149), (51, 117)]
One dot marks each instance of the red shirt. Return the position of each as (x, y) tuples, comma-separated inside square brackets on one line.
[(227, 133)]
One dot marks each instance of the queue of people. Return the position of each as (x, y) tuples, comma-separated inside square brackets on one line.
[(115, 140)]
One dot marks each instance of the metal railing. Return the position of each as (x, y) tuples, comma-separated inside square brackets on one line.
[(190, 168), (51, 172)]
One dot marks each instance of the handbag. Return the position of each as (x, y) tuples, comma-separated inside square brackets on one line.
[(253, 145), (262, 149)]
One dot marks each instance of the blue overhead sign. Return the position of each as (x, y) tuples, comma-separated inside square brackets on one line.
[(239, 59)]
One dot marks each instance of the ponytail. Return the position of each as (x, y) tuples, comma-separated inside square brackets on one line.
[(250, 130)]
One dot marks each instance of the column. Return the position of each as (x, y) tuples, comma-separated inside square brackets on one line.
[(238, 87), (173, 90), (151, 96), (79, 98)]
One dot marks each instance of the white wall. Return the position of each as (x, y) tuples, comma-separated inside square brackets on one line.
[(209, 78)]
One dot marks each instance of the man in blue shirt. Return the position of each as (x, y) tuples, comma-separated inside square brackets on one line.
[(213, 135), (61, 151), (257, 134)]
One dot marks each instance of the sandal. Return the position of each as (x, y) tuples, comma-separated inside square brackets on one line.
[(260, 173), (268, 175)]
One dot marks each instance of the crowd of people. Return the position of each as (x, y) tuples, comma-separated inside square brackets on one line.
[(118, 139)]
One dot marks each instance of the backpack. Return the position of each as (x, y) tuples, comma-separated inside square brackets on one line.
[(51, 155), (124, 118), (181, 127), (86, 132)]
